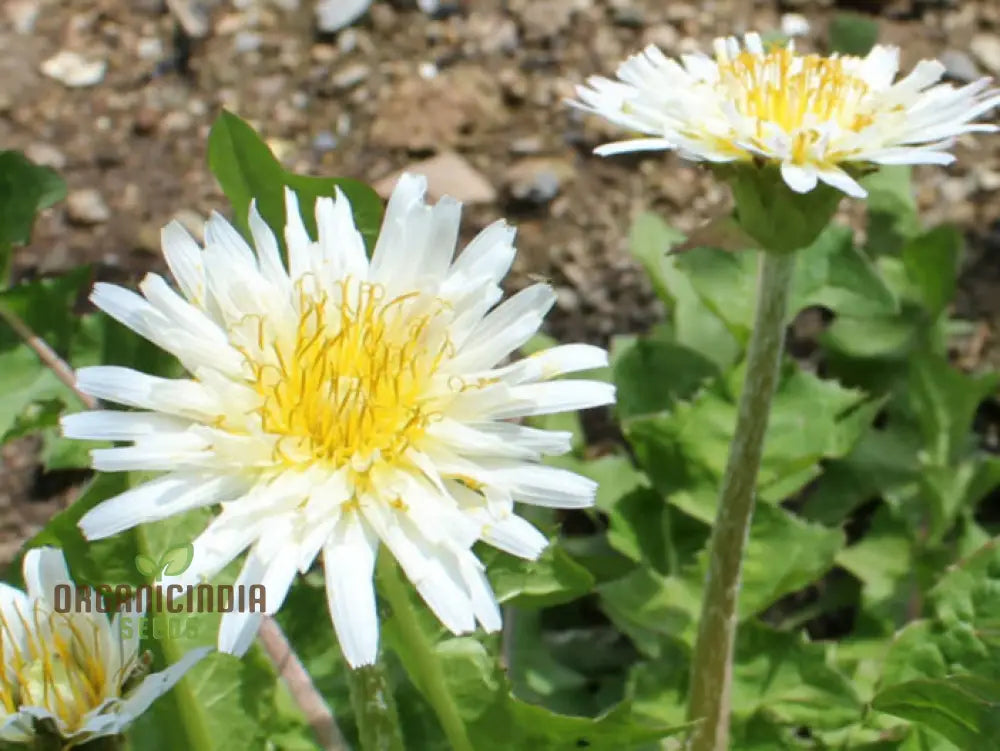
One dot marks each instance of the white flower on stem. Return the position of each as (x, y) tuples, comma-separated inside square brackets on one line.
[(72, 673), (340, 403), (809, 114)]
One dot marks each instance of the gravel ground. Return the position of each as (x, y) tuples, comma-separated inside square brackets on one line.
[(117, 99)]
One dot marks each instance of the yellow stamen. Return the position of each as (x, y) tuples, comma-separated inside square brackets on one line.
[(60, 665), (795, 93), (352, 384)]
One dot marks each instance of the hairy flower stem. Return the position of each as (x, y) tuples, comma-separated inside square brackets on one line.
[(375, 709), (421, 662), (712, 667)]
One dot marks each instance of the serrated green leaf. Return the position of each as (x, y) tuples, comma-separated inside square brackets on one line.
[(964, 709), (944, 401), (931, 262), (554, 578), (684, 451), (653, 375), (694, 325), (246, 169)]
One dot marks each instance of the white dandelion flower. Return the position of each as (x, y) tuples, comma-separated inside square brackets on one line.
[(74, 674), (809, 114), (339, 404)]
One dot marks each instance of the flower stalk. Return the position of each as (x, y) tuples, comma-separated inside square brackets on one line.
[(426, 669), (712, 666), (375, 709)]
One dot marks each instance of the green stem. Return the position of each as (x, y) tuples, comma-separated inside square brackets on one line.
[(712, 666), (375, 709), (426, 668)]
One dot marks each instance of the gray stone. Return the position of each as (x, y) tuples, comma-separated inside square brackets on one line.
[(87, 207), (959, 65)]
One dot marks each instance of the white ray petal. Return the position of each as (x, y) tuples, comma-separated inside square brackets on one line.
[(349, 564)]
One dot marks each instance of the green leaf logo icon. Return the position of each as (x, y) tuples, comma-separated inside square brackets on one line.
[(174, 562), (146, 565)]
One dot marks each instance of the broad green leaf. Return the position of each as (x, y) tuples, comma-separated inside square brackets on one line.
[(882, 558), (653, 375), (725, 283), (852, 34), (944, 400), (653, 610), (694, 326), (964, 709), (25, 189), (790, 679), (892, 209), (784, 554), (777, 675), (874, 336), (639, 527), (685, 450), (31, 396), (650, 239), (834, 274), (246, 169), (931, 262), (554, 578)]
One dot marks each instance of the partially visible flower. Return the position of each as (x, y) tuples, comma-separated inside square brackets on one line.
[(811, 115), (339, 404), (74, 675)]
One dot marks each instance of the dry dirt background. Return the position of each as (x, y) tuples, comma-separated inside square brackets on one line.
[(477, 88)]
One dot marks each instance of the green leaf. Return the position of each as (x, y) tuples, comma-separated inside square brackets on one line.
[(790, 679), (246, 169), (777, 675), (964, 709), (944, 401), (892, 209), (931, 262), (852, 34), (553, 579), (684, 451), (25, 189), (642, 390), (694, 325), (640, 527), (31, 395), (650, 239), (835, 274)]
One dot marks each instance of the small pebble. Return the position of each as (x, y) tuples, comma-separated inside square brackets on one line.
[(87, 207), (74, 70)]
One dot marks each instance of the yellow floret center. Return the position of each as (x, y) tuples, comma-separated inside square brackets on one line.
[(795, 93), (61, 666), (354, 383)]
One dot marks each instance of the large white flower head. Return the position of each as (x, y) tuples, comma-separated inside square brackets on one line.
[(74, 675), (810, 114), (339, 403)]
